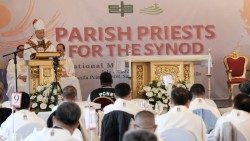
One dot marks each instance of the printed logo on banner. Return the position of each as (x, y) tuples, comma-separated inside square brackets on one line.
[(154, 9), (122, 9), (16, 100)]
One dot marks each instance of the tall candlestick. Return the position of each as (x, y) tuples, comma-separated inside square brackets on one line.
[(209, 65)]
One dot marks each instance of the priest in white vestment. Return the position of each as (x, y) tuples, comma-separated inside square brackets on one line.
[(22, 72), (38, 42), (65, 123), (123, 101), (239, 117), (22, 116), (199, 102), (179, 116), (68, 73)]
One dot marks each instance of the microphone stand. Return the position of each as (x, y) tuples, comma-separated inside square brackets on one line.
[(15, 61)]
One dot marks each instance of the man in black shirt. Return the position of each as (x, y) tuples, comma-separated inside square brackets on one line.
[(105, 94)]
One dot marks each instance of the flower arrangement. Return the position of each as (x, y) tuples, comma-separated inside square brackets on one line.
[(155, 92), (44, 99), (180, 83)]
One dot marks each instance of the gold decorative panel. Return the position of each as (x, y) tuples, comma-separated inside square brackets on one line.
[(139, 77), (187, 73), (42, 73), (160, 70), (178, 70), (144, 72)]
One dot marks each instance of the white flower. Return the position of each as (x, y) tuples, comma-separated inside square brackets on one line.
[(163, 91), (46, 92), (55, 91), (39, 88), (155, 90), (33, 97), (39, 98), (51, 106), (159, 95), (165, 101), (149, 94), (166, 86), (34, 105), (43, 106), (45, 100), (158, 84), (147, 88), (52, 97)]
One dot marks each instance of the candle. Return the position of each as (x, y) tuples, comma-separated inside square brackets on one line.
[(129, 67), (209, 65)]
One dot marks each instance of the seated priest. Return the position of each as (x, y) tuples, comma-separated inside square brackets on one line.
[(179, 116), (123, 101), (22, 71), (38, 43), (68, 73), (65, 120), (239, 117), (22, 116)]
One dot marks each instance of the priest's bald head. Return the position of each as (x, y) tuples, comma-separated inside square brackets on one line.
[(145, 120), (67, 116)]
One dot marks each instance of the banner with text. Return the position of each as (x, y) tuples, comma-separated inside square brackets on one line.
[(96, 32)]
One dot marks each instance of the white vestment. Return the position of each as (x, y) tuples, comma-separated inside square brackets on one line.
[(21, 118), (52, 134), (21, 70), (211, 103), (123, 105), (71, 79), (238, 118), (200, 103), (181, 117), (33, 42)]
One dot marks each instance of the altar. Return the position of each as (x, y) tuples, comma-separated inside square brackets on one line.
[(143, 69)]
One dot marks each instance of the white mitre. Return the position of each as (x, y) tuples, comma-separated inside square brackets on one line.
[(38, 24)]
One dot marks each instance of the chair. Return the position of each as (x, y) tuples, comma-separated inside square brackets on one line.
[(28, 129), (83, 104), (44, 115), (177, 134), (4, 114), (114, 125), (231, 133), (236, 67), (208, 117), (104, 101)]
